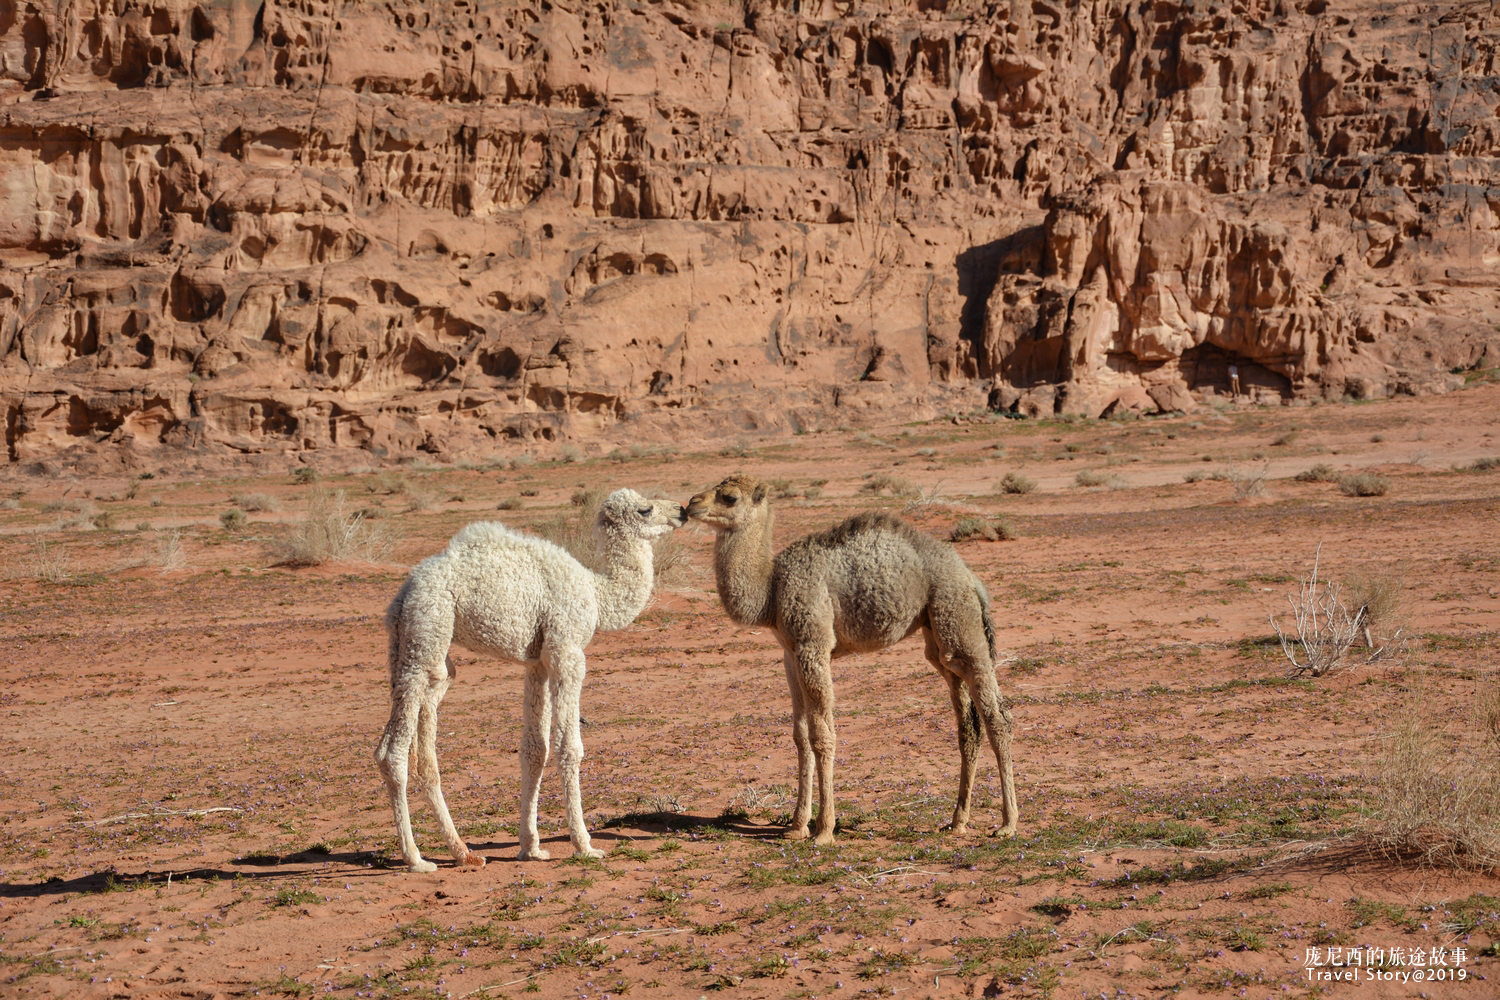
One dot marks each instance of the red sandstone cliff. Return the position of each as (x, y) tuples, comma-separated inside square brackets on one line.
[(262, 228)]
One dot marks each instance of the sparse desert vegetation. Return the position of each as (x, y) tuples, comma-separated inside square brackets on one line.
[(1184, 790)]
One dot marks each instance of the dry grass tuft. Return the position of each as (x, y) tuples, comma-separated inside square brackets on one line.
[(973, 527), (49, 563), (1320, 473), (170, 554), (256, 502), (1437, 794), (1364, 484), (330, 532), (1014, 482), (880, 483)]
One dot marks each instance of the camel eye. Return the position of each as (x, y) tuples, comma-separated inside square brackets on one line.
[(729, 499), (644, 512)]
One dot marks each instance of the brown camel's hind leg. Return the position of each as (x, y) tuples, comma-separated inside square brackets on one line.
[(958, 628), (967, 718)]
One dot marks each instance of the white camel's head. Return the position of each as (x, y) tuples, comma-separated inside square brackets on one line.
[(628, 513), (732, 504)]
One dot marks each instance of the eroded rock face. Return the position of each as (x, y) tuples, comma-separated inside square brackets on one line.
[(251, 228)]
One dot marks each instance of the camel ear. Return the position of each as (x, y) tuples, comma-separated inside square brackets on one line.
[(760, 493)]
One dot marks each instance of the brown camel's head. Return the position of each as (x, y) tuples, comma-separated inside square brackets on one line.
[(732, 504)]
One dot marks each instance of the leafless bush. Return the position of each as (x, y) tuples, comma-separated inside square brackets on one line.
[(233, 519), (509, 503), (255, 502), (1325, 627), (1437, 794), (330, 532)]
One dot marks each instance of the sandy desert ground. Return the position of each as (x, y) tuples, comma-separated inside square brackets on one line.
[(189, 807)]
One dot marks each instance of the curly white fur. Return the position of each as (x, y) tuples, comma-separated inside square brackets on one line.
[(522, 598)]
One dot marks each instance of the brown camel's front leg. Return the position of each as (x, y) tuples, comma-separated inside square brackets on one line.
[(816, 673), (802, 812)]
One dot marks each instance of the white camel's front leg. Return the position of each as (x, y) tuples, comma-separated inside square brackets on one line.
[(536, 728), (802, 812), (568, 668)]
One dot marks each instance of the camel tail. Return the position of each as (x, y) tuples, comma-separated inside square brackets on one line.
[(984, 614)]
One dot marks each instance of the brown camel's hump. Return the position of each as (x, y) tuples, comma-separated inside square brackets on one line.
[(869, 523)]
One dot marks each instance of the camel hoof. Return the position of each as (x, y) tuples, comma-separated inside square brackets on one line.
[(795, 833), (421, 867), (823, 840), (535, 854), (1004, 831), (956, 829), (472, 860), (589, 852)]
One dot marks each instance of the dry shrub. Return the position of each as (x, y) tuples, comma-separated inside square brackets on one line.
[(1320, 473), (255, 502), (233, 519), (878, 483), (1248, 484), (973, 527), (1437, 794), (1014, 482), (1486, 464), (330, 532), (1364, 484), (170, 554), (1377, 599), (509, 503), (1093, 477), (49, 563), (1327, 620)]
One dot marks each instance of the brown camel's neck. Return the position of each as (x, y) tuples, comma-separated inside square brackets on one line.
[(742, 570)]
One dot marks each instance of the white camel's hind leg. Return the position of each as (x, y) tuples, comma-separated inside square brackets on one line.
[(393, 755), (568, 667), (428, 780), (535, 736)]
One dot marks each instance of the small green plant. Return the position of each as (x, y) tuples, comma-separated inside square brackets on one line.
[(305, 476), (295, 897), (233, 519)]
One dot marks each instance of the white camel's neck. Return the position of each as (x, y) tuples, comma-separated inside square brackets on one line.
[(625, 585), (742, 571)]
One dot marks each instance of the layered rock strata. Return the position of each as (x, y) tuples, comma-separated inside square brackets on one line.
[(457, 226)]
